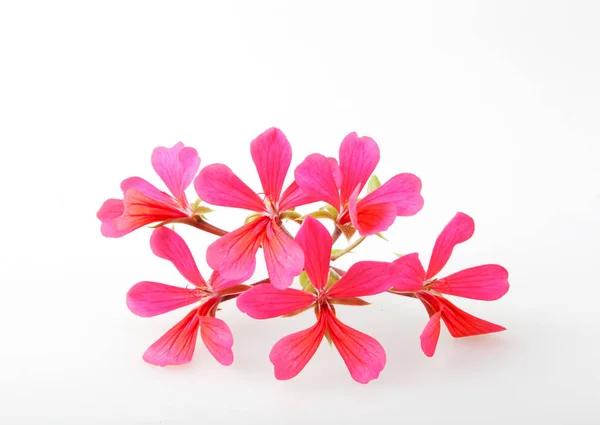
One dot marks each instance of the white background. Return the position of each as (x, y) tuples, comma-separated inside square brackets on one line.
[(494, 104)]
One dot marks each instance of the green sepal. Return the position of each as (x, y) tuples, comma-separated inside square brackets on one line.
[(348, 231), (305, 282), (332, 280), (380, 234), (373, 184)]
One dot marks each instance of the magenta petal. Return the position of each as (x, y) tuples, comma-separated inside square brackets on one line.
[(431, 334), (141, 210), (177, 345), (177, 167), (458, 230), (272, 155), (147, 189), (218, 185), (218, 339), (488, 282), (283, 256), (365, 278), (315, 177), (294, 197), (234, 255), (358, 158), (315, 241), (370, 219), (411, 273), (363, 355), (291, 353), (108, 212), (402, 190), (336, 172), (147, 299), (461, 323), (219, 283), (265, 301), (168, 245)]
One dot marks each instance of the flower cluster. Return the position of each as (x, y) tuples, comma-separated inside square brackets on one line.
[(309, 255)]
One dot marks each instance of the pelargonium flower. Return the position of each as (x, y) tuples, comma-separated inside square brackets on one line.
[(340, 186), (487, 282), (234, 254), (143, 203), (363, 355), (147, 299)]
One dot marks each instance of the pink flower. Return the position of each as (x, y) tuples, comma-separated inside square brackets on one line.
[(234, 254), (363, 355), (147, 299), (143, 203), (340, 185), (488, 282)]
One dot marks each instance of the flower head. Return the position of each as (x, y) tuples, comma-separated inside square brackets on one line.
[(143, 203), (363, 355), (234, 254), (149, 299), (341, 184), (487, 282)]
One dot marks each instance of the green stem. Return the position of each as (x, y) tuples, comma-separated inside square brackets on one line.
[(348, 248)]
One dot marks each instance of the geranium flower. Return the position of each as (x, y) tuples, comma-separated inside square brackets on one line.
[(363, 355), (143, 203), (234, 254), (487, 282), (340, 185), (147, 299)]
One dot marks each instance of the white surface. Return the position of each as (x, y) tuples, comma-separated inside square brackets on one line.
[(493, 104)]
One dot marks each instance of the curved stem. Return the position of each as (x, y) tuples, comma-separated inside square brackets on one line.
[(337, 232), (348, 248)]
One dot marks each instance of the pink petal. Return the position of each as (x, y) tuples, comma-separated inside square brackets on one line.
[(402, 190), (218, 185), (370, 219), (234, 255), (147, 299), (315, 241), (283, 256), (108, 212), (265, 301), (488, 282), (365, 278), (219, 283), (272, 155), (431, 334), (168, 245), (177, 167), (177, 345), (315, 177), (458, 230), (218, 339), (141, 210), (290, 354), (358, 158), (461, 323), (412, 274), (148, 189), (294, 197), (363, 355), (336, 172)]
